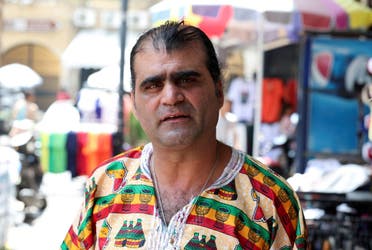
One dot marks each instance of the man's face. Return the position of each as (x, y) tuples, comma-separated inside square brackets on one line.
[(175, 98)]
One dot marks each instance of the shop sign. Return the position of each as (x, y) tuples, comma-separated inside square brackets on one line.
[(30, 25)]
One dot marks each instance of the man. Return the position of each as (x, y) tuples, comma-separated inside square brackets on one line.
[(184, 190)]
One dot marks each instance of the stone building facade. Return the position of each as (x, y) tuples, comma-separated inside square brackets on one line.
[(63, 40)]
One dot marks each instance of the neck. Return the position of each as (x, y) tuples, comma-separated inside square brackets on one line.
[(175, 194), (185, 170)]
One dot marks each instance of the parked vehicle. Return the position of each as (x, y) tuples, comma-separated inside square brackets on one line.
[(279, 151), (22, 139)]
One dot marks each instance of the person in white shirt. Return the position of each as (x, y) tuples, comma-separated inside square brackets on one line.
[(241, 100)]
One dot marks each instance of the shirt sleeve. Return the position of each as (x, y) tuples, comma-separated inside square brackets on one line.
[(291, 228), (81, 233), (283, 213)]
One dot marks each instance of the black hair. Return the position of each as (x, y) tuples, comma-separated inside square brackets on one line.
[(27, 93), (173, 36)]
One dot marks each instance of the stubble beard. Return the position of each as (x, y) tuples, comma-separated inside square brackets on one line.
[(180, 136)]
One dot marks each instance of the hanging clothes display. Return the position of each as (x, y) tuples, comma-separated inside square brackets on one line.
[(44, 154), (78, 152), (71, 146), (290, 94), (57, 153), (85, 141), (242, 98), (272, 97), (82, 140)]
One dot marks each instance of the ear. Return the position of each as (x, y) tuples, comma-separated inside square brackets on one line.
[(219, 93), (132, 99)]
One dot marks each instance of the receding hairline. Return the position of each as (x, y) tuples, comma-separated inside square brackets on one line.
[(174, 36), (148, 44)]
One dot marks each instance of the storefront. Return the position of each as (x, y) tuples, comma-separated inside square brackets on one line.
[(326, 97)]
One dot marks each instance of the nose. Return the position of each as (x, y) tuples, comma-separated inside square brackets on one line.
[(172, 94)]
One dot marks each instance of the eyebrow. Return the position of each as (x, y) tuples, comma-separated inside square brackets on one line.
[(174, 76), (150, 79), (185, 73)]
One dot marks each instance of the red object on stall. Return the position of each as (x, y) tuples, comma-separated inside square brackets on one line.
[(216, 26), (272, 97)]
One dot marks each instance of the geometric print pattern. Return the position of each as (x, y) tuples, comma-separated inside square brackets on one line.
[(256, 210)]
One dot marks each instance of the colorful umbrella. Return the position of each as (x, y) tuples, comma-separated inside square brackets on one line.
[(18, 76), (236, 21), (333, 15)]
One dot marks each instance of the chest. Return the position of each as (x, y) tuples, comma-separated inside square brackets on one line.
[(172, 201), (212, 222)]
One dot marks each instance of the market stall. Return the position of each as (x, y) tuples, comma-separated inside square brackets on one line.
[(334, 74), (254, 27), (333, 177), (77, 135), (265, 26), (88, 138)]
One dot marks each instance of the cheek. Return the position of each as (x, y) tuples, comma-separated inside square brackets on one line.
[(144, 113), (211, 105), (139, 113)]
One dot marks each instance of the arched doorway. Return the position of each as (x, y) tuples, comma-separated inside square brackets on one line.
[(44, 62)]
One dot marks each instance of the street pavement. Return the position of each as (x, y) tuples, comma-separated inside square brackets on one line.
[(64, 198)]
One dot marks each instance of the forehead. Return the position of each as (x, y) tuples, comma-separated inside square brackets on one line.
[(148, 45), (191, 54)]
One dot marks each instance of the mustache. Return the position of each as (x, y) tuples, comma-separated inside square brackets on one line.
[(180, 110)]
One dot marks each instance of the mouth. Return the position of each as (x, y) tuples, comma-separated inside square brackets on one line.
[(174, 117)]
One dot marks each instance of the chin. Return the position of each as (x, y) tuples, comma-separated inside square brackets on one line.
[(177, 139)]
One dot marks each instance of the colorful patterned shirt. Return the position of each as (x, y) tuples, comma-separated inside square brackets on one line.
[(247, 207)]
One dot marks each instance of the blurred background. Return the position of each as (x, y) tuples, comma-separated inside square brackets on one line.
[(297, 77)]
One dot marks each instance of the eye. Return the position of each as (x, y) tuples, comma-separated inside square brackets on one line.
[(186, 80), (152, 85)]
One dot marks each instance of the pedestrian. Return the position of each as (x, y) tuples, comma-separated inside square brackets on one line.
[(240, 99), (184, 189), (26, 108)]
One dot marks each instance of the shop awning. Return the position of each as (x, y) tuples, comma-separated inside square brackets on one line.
[(231, 22), (108, 78), (92, 49)]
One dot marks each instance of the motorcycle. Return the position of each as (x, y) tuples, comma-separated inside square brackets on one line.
[(22, 139), (278, 150)]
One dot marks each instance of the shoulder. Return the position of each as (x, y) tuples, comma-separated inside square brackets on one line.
[(268, 183), (134, 153), (113, 173), (275, 195)]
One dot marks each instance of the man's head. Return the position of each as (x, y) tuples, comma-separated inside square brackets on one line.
[(173, 36), (177, 88)]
